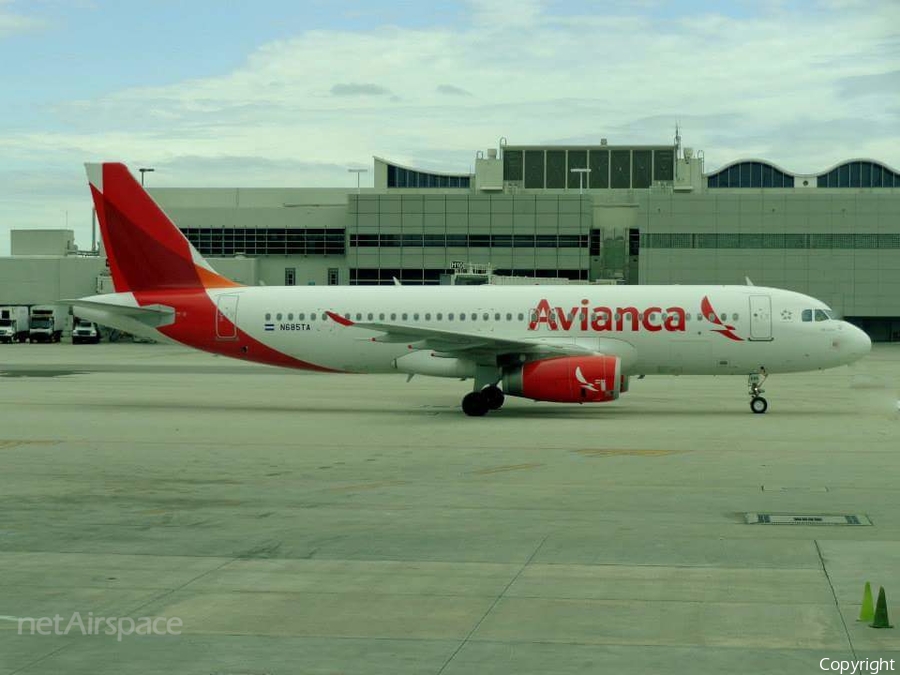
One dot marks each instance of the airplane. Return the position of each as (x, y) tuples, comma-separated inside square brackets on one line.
[(567, 344)]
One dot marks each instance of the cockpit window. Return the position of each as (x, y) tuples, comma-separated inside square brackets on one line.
[(817, 315)]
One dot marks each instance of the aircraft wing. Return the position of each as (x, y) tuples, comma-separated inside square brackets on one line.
[(462, 343)]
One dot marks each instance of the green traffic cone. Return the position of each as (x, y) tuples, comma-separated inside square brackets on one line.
[(867, 611), (881, 613)]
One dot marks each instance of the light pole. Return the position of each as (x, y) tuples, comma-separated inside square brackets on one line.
[(581, 172), (144, 170), (357, 172)]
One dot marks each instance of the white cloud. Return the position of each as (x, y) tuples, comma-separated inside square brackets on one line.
[(298, 110), (12, 23)]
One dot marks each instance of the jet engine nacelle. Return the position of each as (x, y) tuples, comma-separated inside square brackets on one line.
[(567, 379)]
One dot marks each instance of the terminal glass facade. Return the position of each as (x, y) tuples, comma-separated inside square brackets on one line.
[(213, 241), (609, 167)]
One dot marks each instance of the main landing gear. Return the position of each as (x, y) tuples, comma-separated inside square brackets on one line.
[(758, 404), (479, 403)]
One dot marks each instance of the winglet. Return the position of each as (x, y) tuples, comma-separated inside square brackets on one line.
[(747, 279)]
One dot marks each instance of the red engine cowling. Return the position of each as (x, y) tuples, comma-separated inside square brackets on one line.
[(567, 379)]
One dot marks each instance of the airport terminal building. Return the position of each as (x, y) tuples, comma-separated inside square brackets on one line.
[(636, 214)]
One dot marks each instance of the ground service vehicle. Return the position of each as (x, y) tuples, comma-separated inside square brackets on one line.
[(13, 324), (47, 323), (84, 331)]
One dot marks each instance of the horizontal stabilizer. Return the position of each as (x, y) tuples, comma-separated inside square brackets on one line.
[(153, 316)]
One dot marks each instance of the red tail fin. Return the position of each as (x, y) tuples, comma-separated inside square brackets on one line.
[(146, 252)]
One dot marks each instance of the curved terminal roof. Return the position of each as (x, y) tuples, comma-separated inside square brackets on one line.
[(759, 173), (400, 176)]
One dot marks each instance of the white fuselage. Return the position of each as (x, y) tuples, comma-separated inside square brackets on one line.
[(653, 329)]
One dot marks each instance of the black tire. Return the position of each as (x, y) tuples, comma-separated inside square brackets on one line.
[(493, 396), (474, 404), (759, 405)]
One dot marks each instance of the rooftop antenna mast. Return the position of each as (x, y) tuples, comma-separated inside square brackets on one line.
[(677, 141)]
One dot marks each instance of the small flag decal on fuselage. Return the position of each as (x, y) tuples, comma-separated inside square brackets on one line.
[(270, 326)]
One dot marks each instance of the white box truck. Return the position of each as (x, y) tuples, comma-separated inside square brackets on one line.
[(47, 322), (13, 324), (85, 332)]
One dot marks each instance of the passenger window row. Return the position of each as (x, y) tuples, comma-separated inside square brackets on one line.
[(403, 316), (474, 316)]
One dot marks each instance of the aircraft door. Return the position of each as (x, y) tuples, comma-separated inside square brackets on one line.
[(489, 318), (760, 317), (226, 317)]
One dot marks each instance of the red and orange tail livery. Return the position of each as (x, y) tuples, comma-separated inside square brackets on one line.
[(146, 252)]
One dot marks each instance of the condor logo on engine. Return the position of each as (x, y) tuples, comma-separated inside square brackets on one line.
[(587, 385)]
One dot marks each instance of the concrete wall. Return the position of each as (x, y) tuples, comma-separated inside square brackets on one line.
[(469, 215), (854, 281), (242, 270), (253, 207), (41, 242), (309, 270), (44, 280)]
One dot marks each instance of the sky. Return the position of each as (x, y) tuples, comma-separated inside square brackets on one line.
[(292, 93)]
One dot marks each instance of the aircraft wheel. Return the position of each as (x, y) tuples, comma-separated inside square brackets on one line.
[(759, 405), (474, 404), (494, 397)]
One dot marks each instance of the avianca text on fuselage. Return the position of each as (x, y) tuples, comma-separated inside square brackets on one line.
[(603, 319)]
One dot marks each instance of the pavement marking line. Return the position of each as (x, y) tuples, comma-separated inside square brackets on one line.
[(367, 486), (42, 658), (791, 488), (493, 604), (837, 605), (7, 445), (501, 469), (616, 453), (172, 591)]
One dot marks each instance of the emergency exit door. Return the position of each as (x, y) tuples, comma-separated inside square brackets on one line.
[(226, 317), (760, 317)]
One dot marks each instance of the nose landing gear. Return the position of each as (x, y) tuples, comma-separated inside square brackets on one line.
[(758, 404)]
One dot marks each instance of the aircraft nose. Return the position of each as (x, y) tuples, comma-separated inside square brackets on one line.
[(858, 343)]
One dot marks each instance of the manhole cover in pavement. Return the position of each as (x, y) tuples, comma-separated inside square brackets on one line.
[(806, 519)]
